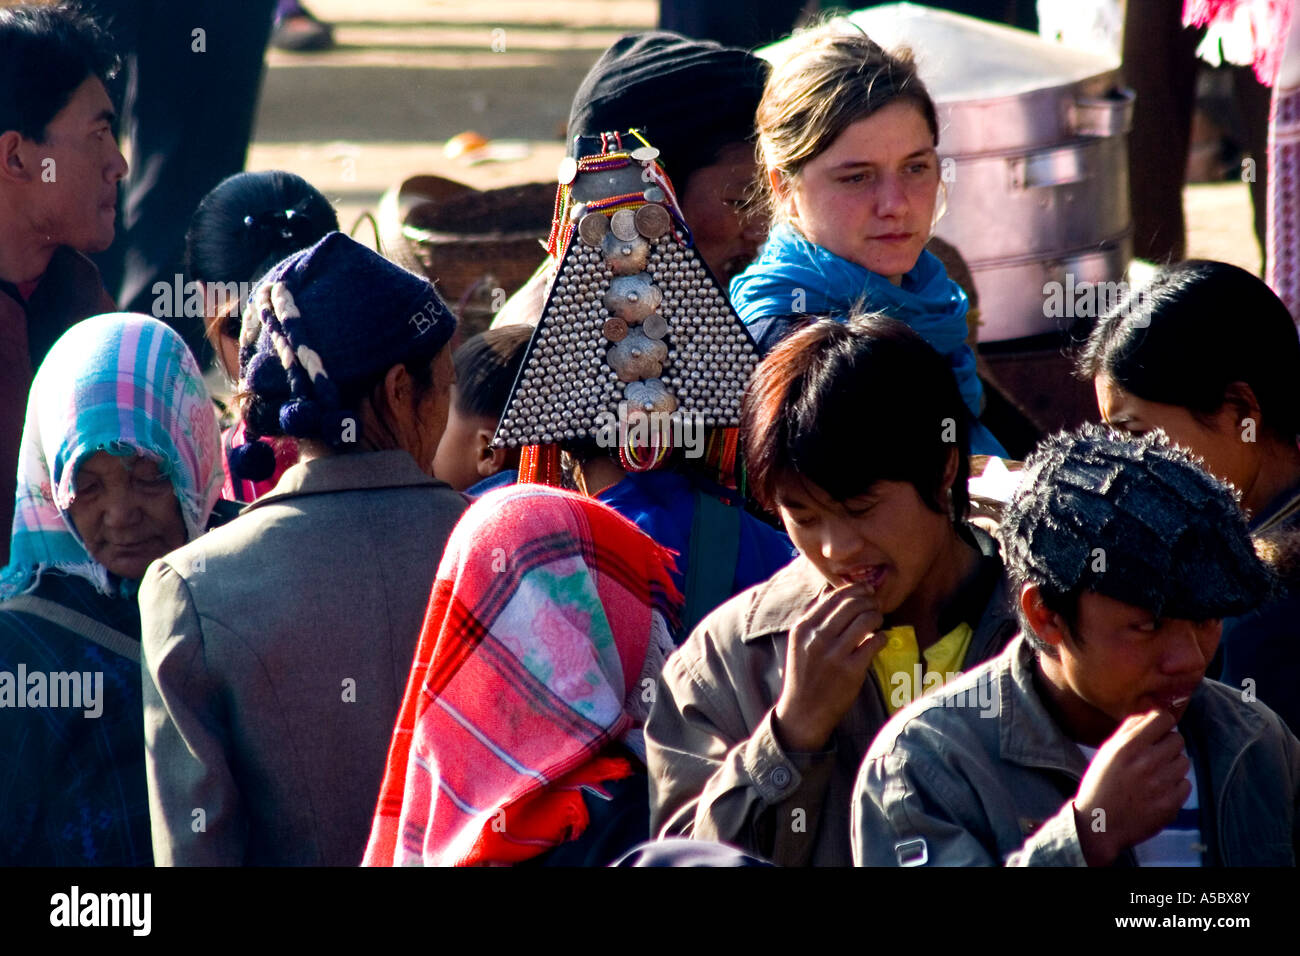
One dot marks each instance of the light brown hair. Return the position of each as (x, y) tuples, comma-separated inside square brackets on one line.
[(828, 81)]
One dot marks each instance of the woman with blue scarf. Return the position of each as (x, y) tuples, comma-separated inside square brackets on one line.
[(120, 463), (848, 135)]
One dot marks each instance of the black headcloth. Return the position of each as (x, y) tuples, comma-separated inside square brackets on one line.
[(690, 97)]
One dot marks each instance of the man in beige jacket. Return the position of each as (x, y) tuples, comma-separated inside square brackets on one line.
[(763, 716)]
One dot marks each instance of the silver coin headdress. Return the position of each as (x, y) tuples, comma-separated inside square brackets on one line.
[(637, 340)]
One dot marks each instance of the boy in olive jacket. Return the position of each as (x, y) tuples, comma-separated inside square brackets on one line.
[(1107, 745)]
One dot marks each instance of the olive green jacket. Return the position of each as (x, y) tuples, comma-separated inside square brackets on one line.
[(979, 774)]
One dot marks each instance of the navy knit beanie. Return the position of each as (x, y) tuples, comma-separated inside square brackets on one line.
[(324, 318)]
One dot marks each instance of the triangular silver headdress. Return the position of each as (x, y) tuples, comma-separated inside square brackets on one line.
[(637, 340)]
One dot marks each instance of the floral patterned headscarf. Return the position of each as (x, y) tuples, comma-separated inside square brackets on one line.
[(550, 616)]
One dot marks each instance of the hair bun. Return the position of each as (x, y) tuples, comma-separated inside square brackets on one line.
[(280, 224), (252, 461)]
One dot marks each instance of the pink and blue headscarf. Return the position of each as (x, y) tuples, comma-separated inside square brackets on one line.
[(121, 383)]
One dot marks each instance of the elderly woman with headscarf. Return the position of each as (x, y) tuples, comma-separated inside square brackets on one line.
[(519, 739), (119, 464)]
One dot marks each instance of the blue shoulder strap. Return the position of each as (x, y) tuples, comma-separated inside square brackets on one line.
[(715, 550)]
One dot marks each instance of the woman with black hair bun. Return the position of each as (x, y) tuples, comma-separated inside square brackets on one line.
[(1207, 352), (241, 229)]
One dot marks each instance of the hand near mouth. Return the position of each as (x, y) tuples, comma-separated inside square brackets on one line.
[(828, 656), (1134, 787)]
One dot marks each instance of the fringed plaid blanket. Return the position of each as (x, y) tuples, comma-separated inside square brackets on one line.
[(542, 619)]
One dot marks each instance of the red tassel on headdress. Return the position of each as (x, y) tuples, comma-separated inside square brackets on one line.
[(540, 465), (720, 454), (561, 226)]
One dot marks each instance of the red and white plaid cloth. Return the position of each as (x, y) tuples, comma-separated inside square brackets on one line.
[(545, 610)]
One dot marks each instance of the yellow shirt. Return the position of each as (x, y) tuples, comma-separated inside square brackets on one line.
[(898, 669)]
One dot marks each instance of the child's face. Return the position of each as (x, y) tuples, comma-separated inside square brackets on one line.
[(887, 537), (1128, 662), (464, 455)]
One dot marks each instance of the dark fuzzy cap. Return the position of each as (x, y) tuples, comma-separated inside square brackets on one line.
[(689, 97), (1133, 519), (324, 320)]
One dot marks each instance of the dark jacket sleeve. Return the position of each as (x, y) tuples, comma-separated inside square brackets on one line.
[(1260, 654), (904, 813), (771, 329)]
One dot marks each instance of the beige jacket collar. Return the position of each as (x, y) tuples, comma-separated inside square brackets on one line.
[(351, 471), (783, 599)]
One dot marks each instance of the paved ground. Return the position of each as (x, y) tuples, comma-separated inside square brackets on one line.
[(409, 74)]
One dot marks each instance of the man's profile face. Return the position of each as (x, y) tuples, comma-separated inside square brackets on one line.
[(1128, 662), (75, 172)]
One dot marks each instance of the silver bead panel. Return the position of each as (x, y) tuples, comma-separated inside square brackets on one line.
[(705, 356), (561, 388)]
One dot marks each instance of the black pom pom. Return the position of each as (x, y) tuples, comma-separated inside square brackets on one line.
[(265, 375), (252, 461), (301, 418)]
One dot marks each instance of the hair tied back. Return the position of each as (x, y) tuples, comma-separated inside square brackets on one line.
[(284, 224)]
